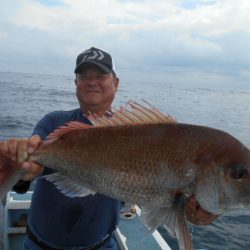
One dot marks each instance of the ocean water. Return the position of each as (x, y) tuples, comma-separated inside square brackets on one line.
[(26, 98)]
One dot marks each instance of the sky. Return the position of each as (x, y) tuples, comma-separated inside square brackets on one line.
[(203, 42)]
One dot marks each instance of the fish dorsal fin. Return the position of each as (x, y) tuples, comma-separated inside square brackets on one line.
[(65, 129), (133, 114)]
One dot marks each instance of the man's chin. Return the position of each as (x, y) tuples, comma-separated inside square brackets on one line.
[(94, 100)]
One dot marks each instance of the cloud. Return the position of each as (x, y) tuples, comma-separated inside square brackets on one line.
[(194, 36), (3, 35)]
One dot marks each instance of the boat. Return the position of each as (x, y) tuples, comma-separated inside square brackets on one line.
[(131, 234)]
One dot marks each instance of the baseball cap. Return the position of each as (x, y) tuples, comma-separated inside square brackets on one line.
[(95, 56)]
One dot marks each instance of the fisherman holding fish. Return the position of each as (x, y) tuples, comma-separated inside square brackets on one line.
[(57, 221)]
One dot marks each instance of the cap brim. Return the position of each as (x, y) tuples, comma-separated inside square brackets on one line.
[(86, 63)]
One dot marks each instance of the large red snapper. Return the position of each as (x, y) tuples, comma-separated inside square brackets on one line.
[(142, 156)]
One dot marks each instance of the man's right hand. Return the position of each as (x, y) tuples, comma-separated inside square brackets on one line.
[(18, 150)]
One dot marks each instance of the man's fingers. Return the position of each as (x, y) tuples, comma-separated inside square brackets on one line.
[(4, 147), (18, 151), (22, 154), (12, 149), (33, 143), (28, 177), (15, 148), (32, 169)]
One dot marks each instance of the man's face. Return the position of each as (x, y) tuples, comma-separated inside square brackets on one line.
[(95, 89)]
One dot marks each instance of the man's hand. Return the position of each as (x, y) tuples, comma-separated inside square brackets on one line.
[(18, 150), (196, 215)]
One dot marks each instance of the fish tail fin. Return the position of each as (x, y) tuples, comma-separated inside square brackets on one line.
[(8, 175)]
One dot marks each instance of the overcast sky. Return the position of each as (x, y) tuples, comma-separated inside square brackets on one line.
[(177, 41)]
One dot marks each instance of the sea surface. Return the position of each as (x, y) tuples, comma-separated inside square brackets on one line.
[(26, 98)]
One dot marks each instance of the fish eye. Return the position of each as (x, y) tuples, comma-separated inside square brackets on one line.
[(238, 172)]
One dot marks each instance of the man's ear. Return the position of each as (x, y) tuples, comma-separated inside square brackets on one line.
[(116, 82), (75, 81)]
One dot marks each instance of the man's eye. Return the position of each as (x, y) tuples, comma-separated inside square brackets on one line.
[(101, 77), (88, 78), (82, 78)]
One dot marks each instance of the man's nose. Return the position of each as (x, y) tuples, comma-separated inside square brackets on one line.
[(92, 80)]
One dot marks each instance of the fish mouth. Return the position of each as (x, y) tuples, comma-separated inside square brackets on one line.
[(196, 214)]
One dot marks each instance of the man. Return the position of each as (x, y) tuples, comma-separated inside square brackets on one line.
[(59, 222)]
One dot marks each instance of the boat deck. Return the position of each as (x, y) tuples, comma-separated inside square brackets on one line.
[(136, 236)]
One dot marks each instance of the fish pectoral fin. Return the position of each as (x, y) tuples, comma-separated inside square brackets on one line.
[(67, 186), (172, 218), (153, 217), (176, 224)]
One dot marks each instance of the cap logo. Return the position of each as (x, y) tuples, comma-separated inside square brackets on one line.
[(95, 55)]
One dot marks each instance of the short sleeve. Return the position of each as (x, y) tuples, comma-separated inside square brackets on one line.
[(45, 126)]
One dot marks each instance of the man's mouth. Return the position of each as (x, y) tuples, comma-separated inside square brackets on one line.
[(93, 92)]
